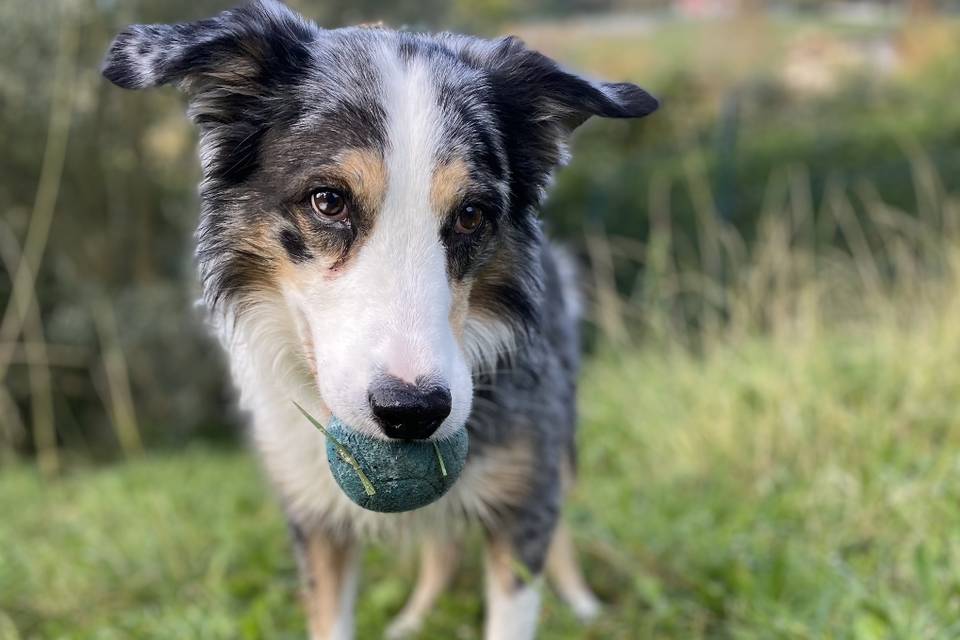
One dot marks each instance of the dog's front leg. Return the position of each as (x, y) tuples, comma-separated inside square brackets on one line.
[(329, 569), (438, 562), (513, 592)]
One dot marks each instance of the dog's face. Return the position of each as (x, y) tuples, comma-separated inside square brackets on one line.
[(379, 188)]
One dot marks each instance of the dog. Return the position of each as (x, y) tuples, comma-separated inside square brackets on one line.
[(369, 228)]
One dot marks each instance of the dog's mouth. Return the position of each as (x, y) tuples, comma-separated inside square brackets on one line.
[(380, 473)]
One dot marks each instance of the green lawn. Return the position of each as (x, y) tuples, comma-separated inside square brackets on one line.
[(805, 487)]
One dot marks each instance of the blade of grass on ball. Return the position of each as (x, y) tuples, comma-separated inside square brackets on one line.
[(342, 451), (443, 467)]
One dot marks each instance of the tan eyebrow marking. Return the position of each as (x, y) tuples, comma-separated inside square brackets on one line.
[(365, 172), (449, 181)]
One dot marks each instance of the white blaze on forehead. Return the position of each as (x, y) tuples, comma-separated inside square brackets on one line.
[(414, 127), (405, 239)]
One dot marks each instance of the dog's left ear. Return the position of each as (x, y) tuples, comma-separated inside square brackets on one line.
[(535, 83)]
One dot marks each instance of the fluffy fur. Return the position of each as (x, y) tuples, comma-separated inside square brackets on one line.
[(412, 130)]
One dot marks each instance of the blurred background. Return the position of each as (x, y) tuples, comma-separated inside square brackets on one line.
[(771, 401)]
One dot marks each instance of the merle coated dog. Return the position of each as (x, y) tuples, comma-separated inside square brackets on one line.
[(370, 219)]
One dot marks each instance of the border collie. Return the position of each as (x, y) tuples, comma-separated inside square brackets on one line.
[(370, 217)]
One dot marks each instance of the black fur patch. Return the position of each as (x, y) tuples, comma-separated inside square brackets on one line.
[(293, 242)]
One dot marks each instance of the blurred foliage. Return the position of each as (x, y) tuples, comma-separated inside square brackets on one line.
[(747, 103)]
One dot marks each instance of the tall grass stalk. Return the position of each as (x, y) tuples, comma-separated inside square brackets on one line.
[(845, 262), (23, 295), (118, 397), (36, 358)]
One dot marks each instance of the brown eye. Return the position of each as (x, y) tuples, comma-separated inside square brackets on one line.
[(468, 220), (329, 203)]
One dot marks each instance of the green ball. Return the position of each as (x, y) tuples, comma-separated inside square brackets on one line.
[(402, 474)]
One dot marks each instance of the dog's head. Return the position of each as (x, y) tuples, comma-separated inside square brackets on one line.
[(376, 190)]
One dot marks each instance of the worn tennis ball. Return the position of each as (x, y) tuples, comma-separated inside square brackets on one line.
[(393, 475)]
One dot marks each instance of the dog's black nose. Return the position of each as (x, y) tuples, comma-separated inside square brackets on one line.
[(407, 411)]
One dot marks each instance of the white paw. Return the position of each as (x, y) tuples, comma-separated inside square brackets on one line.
[(586, 607), (403, 627)]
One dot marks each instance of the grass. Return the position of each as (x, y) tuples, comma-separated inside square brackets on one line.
[(770, 488)]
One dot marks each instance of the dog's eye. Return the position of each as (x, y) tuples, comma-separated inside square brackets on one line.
[(469, 219), (329, 203)]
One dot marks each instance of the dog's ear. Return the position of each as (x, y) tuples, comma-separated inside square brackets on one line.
[(538, 105), (532, 82), (230, 66), (233, 49)]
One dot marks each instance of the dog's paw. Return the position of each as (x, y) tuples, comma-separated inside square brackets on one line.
[(586, 607), (403, 627)]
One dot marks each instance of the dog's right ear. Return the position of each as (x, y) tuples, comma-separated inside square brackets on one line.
[(234, 48)]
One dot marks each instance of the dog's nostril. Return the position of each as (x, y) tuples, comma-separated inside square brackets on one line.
[(408, 411)]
